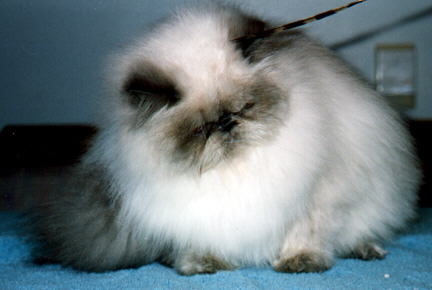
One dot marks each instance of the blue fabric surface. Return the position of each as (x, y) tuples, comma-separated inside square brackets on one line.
[(407, 266)]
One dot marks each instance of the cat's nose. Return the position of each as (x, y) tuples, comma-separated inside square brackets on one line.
[(226, 122)]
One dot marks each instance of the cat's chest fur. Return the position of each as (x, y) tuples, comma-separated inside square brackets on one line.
[(241, 218)]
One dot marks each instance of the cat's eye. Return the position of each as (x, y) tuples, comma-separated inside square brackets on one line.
[(248, 105)]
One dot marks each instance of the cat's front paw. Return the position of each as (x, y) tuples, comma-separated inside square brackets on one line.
[(192, 264), (303, 262), (368, 252)]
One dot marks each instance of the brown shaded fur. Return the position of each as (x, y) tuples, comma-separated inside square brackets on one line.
[(78, 228), (148, 90), (224, 125), (262, 48), (304, 262)]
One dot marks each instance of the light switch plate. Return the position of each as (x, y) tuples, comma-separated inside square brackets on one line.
[(395, 70)]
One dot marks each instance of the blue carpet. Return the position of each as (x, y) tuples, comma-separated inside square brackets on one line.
[(408, 266)]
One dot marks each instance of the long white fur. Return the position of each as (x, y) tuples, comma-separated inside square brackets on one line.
[(339, 171)]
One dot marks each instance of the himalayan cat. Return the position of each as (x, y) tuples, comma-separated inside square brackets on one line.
[(217, 154)]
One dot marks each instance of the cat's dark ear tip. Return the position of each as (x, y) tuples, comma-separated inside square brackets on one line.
[(255, 26), (252, 31)]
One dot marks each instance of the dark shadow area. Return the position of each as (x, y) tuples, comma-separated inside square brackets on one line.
[(36, 160), (422, 131)]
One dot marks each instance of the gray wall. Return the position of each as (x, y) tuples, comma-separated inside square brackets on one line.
[(52, 52)]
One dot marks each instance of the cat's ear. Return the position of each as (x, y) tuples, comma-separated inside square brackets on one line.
[(255, 26), (251, 27), (150, 87)]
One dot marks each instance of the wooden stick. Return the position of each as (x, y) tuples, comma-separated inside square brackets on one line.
[(297, 23)]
